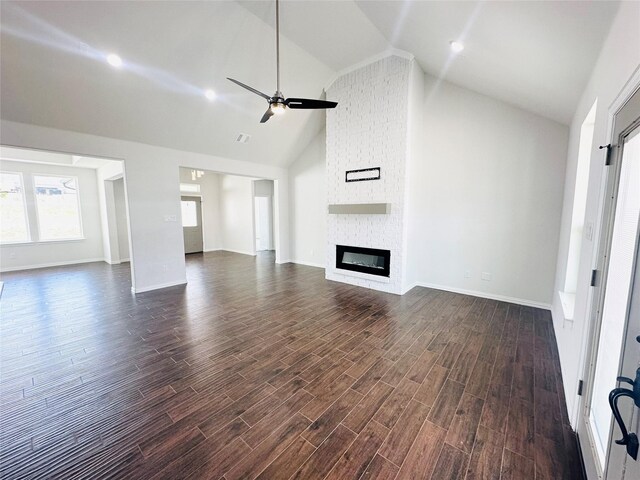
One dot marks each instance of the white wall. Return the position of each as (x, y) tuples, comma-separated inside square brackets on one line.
[(153, 194), (210, 193), (415, 152), (237, 221), (37, 254), (122, 225), (486, 196), (308, 204), (617, 62)]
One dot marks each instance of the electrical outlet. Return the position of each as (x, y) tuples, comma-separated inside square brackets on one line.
[(467, 274), (486, 276)]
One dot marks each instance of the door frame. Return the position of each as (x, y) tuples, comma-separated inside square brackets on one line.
[(197, 196), (595, 298), (267, 203), (274, 217)]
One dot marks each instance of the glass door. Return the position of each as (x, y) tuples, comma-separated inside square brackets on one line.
[(616, 269)]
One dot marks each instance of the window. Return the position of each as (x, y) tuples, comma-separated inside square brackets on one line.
[(13, 215), (58, 207), (189, 213), (578, 230), (190, 188)]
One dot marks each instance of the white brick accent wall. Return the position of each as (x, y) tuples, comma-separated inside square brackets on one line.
[(369, 128)]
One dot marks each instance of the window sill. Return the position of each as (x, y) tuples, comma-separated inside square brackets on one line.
[(41, 242), (568, 301)]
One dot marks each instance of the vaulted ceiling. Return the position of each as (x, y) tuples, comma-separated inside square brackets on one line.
[(535, 55)]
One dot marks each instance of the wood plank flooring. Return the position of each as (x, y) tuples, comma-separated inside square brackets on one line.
[(257, 370)]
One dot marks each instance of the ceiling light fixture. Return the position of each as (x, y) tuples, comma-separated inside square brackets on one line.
[(196, 174), (278, 108), (210, 94), (456, 47), (114, 60)]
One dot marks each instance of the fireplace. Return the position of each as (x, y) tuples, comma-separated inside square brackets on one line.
[(363, 260)]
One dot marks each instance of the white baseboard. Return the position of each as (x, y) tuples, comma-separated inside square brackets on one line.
[(158, 286), (308, 264), (207, 250), (409, 288), (52, 264), (492, 296), (122, 260)]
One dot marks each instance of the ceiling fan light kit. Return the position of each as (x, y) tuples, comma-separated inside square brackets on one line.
[(278, 104)]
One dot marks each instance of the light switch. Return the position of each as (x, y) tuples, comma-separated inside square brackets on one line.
[(588, 231)]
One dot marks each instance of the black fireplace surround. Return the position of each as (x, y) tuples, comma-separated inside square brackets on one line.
[(363, 260)]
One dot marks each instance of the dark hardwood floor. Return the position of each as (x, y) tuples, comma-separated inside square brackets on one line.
[(256, 370)]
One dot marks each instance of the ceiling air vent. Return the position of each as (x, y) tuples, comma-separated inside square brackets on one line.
[(243, 138)]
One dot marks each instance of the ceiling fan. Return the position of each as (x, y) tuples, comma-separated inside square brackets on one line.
[(277, 103)]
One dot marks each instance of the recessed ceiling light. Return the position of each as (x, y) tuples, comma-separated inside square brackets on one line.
[(210, 94), (456, 47), (114, 60)]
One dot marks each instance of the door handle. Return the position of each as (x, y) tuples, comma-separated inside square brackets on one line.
[(628, 439)]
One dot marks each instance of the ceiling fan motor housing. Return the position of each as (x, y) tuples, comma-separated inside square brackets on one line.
[(277, 98)]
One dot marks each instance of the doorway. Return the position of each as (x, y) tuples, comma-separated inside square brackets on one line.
[(191, 210), (264, 221), (263, 218), (615, 348)]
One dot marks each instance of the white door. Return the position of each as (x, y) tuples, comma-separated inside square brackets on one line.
[(614, 350), (263, 223), (191, 224)]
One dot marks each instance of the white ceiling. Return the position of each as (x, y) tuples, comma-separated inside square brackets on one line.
[(536, 55), (54, 74), (533, 54)]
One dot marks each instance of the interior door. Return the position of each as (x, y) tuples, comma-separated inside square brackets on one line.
[(191, 209), (263, 224), (614, 351)]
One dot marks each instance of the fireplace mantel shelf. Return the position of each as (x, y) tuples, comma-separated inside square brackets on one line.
[(360, 208)]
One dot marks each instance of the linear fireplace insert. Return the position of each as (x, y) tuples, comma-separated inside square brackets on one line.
[(363, 260)]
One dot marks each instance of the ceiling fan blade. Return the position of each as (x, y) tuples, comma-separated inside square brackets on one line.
[(308, 103), (257, 92), (267, 115)]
